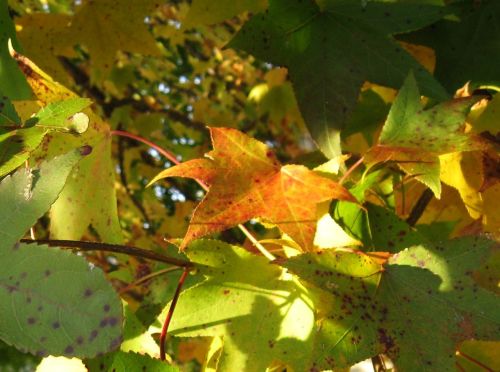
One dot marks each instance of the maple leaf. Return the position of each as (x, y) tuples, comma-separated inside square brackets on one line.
[(107, 26), (246, 181), (352, 44), (261, 318), (416, 308), (466, 49), (414, 137), (44, 38), (81, 202)]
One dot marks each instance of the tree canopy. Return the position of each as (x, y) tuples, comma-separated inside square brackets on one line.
[(269, 185)]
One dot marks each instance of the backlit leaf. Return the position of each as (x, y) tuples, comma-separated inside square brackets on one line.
[(247, 181), (107, 26), (121, 361), (413, 136), (417, 309), (260, 317), (81, 203)]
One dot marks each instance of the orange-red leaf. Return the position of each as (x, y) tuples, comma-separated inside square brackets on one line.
[(247, 181)]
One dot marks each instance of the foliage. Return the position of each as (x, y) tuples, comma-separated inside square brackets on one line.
[(342, 204)]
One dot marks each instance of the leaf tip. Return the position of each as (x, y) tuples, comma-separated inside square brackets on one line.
[(12, 52)]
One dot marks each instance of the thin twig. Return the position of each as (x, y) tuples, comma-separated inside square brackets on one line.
[(419, 207), (174, 160), (475, 361), (350, 170), (147, 277), (124, 181), (161, 150), (116, 248), (164, 330), (256, 243)]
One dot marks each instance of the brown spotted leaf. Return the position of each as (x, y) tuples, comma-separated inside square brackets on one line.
[(414, 137), (246, 181), (416, 309), (88, 197), (51, 302)]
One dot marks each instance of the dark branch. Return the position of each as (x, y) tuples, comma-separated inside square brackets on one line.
[(419, 207), (115, 248)]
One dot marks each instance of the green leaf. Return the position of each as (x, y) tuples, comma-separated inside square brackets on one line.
[(27, 195), (59, 115), (368, 115), (261, 318), (388, 232), (351, 40), (53, 303), (416, 316), (122, 362), (466, 48), (17, 145), (12, 81), (88, 197), (8, 114), (413, 136)]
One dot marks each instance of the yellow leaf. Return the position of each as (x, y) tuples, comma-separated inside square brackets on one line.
[(43, 37), (328, 232), (425, 55), (107, 26), (491, 219), (463, 171)]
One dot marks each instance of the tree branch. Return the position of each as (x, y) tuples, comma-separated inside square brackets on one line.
[(419, 207), (115, 248)]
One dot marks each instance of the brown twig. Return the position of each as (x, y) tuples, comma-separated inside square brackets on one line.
[(350, 170), (419, 207), (164, 330), (475, 361), (116, 248), (124, 181), (161, 150), (378, 364)]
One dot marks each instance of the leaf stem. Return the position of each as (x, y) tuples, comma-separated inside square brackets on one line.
[(170, 156), (164, 329), (350, 170), (256, 243), (116, 248)]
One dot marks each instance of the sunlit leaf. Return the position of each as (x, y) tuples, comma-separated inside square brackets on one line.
[(413, 137), (247, 181)]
